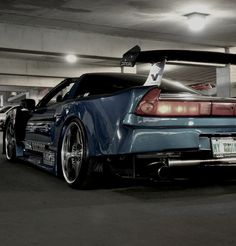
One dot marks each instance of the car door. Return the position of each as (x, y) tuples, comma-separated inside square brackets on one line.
[(41, 125)]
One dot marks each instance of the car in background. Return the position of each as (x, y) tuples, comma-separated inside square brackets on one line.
[(3, 114), (205, 88), (126, 125)]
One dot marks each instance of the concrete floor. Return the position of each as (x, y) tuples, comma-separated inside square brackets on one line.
[(39, 209)]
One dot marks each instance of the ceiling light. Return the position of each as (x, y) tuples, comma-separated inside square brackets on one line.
[(71, 58), (196, 21)]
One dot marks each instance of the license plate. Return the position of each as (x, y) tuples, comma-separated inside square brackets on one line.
[(223, 147)]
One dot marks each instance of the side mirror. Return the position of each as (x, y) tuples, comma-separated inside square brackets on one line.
[(28, 104)]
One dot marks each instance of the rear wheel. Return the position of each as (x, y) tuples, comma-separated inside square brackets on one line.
[(73, 155), (10, 141)]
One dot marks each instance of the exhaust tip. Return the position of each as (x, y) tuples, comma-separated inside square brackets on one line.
[(162, 172)]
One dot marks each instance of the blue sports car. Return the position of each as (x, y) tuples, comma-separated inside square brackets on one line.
[(124, 124)]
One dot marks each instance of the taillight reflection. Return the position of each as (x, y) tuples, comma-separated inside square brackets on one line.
[(147, 107)]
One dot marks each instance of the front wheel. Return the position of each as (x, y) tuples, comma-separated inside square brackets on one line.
[(10, 141), (73, 155)]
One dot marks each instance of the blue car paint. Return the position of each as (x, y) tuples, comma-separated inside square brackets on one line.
[(124, 132), (102, 119), (112, 129)]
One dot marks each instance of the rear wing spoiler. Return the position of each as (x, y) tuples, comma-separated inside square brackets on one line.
[(134, 55)]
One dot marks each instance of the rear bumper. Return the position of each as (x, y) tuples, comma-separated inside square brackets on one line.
[(152, 134), (167, 140)]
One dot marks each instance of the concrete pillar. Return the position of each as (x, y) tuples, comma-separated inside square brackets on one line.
[(233, 80), (1, 100), (5, 95), (223, 81), (226, 81)]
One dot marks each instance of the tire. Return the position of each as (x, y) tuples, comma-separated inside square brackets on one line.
[(10, 141), (73, 158)]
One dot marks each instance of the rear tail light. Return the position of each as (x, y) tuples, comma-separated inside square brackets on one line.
[(219, 108), (178, 108), (150, 105)]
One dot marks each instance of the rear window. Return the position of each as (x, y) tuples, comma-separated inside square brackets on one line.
[(91, 84), (102, 84)]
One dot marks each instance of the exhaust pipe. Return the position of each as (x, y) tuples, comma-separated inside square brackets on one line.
[(165, 171), (161, 169), (216, 162), (161, 172)]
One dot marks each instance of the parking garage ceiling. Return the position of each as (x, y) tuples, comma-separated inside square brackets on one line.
[(36, 35), (157, 20)]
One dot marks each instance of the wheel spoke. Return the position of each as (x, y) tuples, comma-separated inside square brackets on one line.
[(10, 142), (72, 152)]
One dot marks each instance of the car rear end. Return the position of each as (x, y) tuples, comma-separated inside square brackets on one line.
[(174, 126)]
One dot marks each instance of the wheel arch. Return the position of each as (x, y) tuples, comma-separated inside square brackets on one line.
[(66, 123)]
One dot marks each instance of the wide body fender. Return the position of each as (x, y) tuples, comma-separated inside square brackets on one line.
[(102, 119)]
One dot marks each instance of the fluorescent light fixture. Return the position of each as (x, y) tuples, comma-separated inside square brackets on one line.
[(196, 21), (71, 58)]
